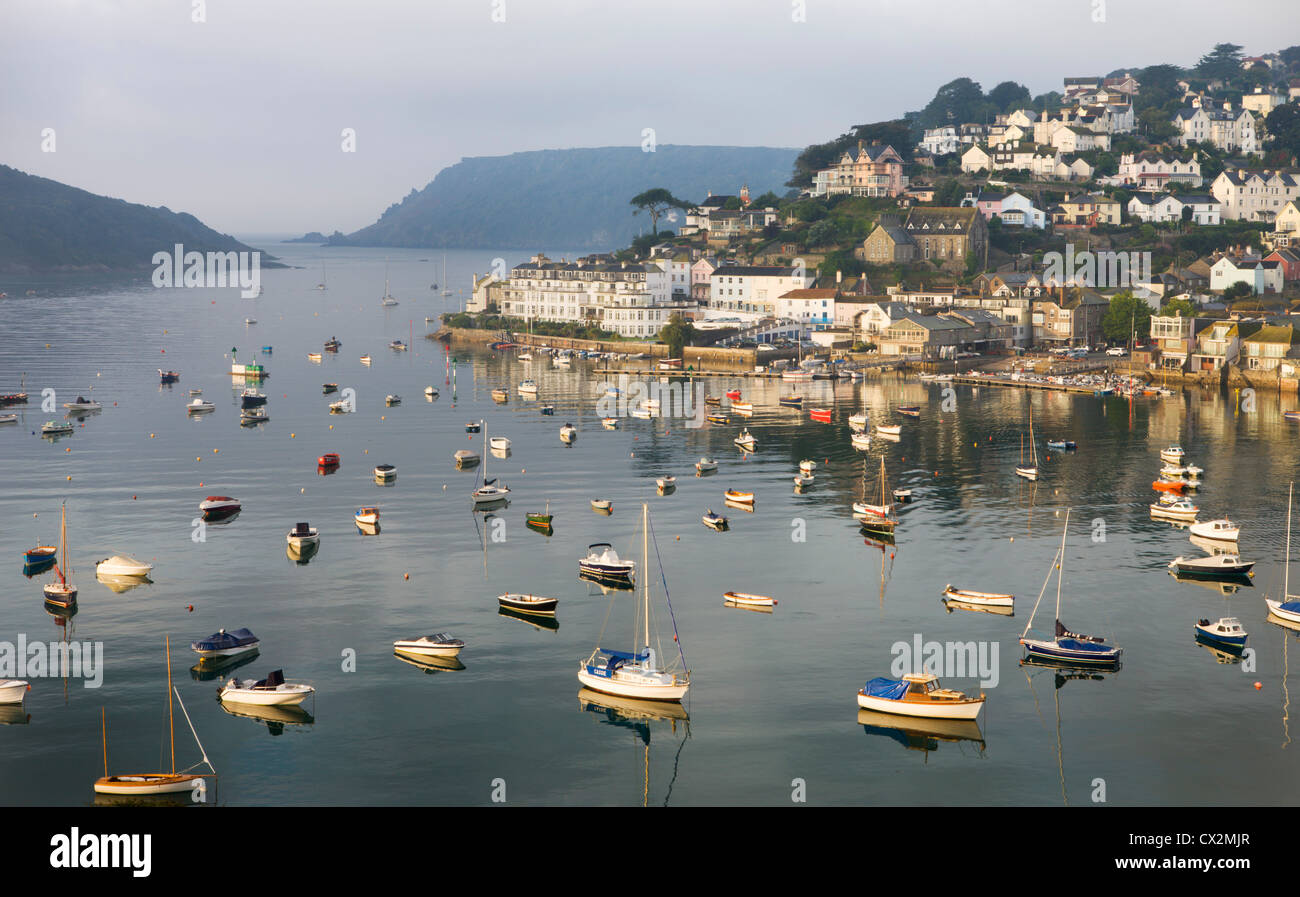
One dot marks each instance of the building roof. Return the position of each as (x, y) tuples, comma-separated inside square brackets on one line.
[(754, 271)]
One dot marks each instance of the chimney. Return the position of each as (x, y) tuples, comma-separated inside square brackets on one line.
[(839, 277)]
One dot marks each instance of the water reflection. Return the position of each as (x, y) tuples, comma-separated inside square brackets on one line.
[(274, 718), (924, 735)]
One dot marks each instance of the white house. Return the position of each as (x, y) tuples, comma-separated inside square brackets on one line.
[(1168, 207), (751, 291), (1018, 210), (1254, 195), (1260, 276)]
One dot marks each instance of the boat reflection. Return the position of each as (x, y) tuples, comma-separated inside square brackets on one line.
[(544, 529), (951, 605), (119, 583), (302, 554), (1221, 652), (1225, 586), (630, 713), (500, 452), (367, 529), (607, 584), (209, 668), (747, 507), (273, 717), (535, 620), (431, 663), (14, 715), (33, 570), (917, 734), (1213, 546)]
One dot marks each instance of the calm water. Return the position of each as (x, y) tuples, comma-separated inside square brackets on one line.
[(772, 698)]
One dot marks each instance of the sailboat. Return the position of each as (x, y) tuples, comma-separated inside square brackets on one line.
[(1028, 471), (881, 518), (1289, 607), (62, 593), (388, 297), (321, 285), (489, 492), (637, 674), (1066, 648), (445, 291), (151, 783)]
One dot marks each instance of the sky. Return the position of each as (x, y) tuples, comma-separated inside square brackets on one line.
[(235, 110)]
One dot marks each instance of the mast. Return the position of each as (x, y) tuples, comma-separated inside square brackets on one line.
[(171, 729), (1060, 566), (103, 719), (645, 565), (1286, 569)]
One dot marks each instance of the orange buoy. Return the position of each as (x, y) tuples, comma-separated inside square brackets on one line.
[(1258, 686), (407, 576)]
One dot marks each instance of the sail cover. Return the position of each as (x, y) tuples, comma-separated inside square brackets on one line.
[(882, 687)]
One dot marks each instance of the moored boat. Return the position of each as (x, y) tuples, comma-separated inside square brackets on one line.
[(910, 410), (303, 535), (123, 565), (918, 694), (1226, 631), (274, 690), (223, 643), (821, 415), (603, 562), (366, 516), (1214, 566), (888, 430), (385, 472), (528, 604), (749, 599), (706, 464), (792, 401), (198, 406), (717, 521), (970, 596), (1222, 529), (568, 433), (1180, 510), (439, 644)]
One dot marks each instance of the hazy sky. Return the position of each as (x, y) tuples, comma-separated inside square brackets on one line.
[(238, 119)]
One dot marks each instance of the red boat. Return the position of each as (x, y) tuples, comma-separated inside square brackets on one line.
[(218, 507), (1169, 486), (820, 414), (734, 395), (329, 459), (14, 398)]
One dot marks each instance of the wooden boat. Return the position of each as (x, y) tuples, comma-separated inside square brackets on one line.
[(273, 691), (918, 694), (1223, 530), (156, 783), (500, 395), (748, 599), (540, 520), (528, 604), (392, 399), (1182, 510), (793, 401), (910, 410), (1066, 647), (500, 443), (740, 498), (970, 596), (12, 691), (878, 518), (1227, 631), (705, 465), (1215, 566), (332, 345), (717, 521), (397, 345), (439, 644), (893, 430), (602, 504), (329, 459), (62, 593), (717, 418), (821, 415), (366, 516), (712, 400), (40, 554), (55, 428)]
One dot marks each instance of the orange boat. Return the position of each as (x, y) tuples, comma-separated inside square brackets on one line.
[(1169, 486), (329, 459), (820, 414)]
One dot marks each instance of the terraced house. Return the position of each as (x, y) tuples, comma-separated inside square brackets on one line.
[(1274, 347), (1255, 195)]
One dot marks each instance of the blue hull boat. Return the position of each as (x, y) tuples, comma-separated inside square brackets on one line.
[(1064, 445)]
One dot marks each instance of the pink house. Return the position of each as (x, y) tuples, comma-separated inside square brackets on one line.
[(1290, 261)]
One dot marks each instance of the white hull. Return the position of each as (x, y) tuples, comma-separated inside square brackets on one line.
[(1029, 473), (145, 784), (118, 566), (287, 695), (986, 598), (889, 431), (1170, 514), (419, 650), (300, 542), (499, 442), (12, 691), (1207, 530), (935, 710), (487, 498), (627, 689), (229, 652), (1275, 608)]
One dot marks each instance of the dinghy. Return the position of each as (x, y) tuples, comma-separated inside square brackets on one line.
[(473, 426), (821, 415), (528, 604), (795, 401), (366, 516), (970, 596), (717, 521), (748, 599), (668, 482), (910, 410), (894, 430), (705, 465), (807, 465), (740, 498), (83, 404), (568, 433), (803, 479), (12, 691), (746, 440), (500, 443), (440, 644), (466, 458), (860, 441), (385, 472), (602, 504)]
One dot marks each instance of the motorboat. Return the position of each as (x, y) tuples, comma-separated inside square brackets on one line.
[(55, 428), (392, 399), (473, 426), (803, 479), (717, 521), (641, 412), (332, 345), (918, 694), (303, 535), (500, 443), (251, 398), (568, 433), (1172, 486), (198, 406), (970, 596), (821, 415), (603, 562), (366, 516), (217, 507), (602, 504), (466, 458), (1062, 445), (807, 465), (902, 496), (717, 418), (1226, 631), (329, 459), (742, 407), (223, 643), (547, 409), (1181, 510), (83, 404), (397, 346), (1212, 566), (528, 604), (746, 440), (122, 565), (909, 410), (667, 482), (748, 599), (385, 472), (343, 406), (733, 394), (12, 691), (253, 416), (609, 423), (439, 644), (1222, 529), (274, 690), (1173, 454), (528, 388)]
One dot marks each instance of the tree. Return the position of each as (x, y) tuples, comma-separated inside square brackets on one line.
[(1009, 96), (1178, 307), (1284, 128), (960, 100), (677, 333), (1222, 63), (1238, 290), (1127, 315), (655, 202), (1159, 87), (948, 192)]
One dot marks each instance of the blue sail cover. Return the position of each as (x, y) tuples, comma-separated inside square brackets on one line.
[(625, 655), (234, 638), (1293, 606), (882, 687)]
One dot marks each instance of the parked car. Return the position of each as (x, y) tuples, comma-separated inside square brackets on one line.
[(1117, 351)]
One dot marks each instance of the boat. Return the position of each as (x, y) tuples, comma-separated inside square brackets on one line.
[(858, 421), (83, 404), (224, 643), (1066, 647), (568, 433), (167, 376), (889, 430), (385, 472), (122, 565), (796, 375), (388, 300), (528, 388), (366, 359), (528, 604), (303, 535), (705, 464), (602, 504), (12, 691), (793, 401), (329, 459), (733, 394), (62, 593), (500, 395), (431, 392), (525, 356), (1215, 566), (902, 496), (716, 418), (466, 458), (918, 694), (1227, 631), (490, 491), (1221, 529), (397, 346), (807, 465), (500, 443), (970, 596), (332, 345), (1288, 609), (273, 691), (860, 440), (250, 320), (666, 482), (740, 498), (41, 554), (253, 416), (603, 562), (547, 409), (1181, 510), (198, 406), (822, 415), (717, 521), (366, 516), (748, 599), (251, 398), (439, 644), (742, 407), (1173, 454), (1174, 486), (712, 400), (8, 418), (392, 399), (909, 410), (1028, 471), (158, 783), (1062, 445), (55, 428), (473, 426), (327, 388), (878, 518), (637, 673), (745, 440), (609, 423), (803, 479), (533, 518)]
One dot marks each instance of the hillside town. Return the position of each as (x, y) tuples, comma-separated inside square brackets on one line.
[(1160, 217)]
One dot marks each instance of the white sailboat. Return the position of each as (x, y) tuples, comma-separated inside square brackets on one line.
[(62, 593), (1028, 471), (490, 491), (321, 285), (637, 674), (445, 290), (388, 297), (1289, 607)]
